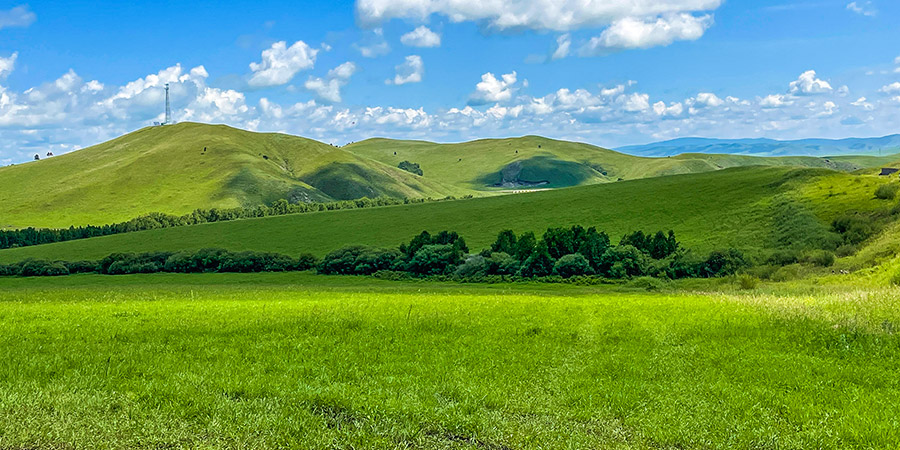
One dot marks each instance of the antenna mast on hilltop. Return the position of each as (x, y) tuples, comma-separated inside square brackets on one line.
[(168, 110)]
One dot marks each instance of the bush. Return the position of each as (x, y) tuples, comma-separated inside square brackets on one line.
[(787, 273), (572, 265), (36, 268), (784, 257), (747, 282), (724, 262), (474, 266), (623, 261), (500, 263), (358, 260), (854, 227), (887, 191), (821, 258), (125, 263), (410, 167), (895, 280), (646, 283), (845, 250), (539, 264), (82, 266), (126, 267), (435, 259)]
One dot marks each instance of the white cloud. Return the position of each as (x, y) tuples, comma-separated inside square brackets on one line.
[(775, 101), (411, 71), (422, 36), (862, 102), (891, 88), (20, 16), (707, 99), (373, 44), (563, 44), (631, 33), (329, 89), (280, 63), (611, 92), (491, 89), (863, 8), (636, 102), (556, 15), (674, 109), (7, 65), (808, 84)]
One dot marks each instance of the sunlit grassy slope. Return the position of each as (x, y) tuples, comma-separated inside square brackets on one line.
[(262, 361), (478, 164), (165, 169), (708, 210)]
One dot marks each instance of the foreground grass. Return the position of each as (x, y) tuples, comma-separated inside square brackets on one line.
[(303, 361)]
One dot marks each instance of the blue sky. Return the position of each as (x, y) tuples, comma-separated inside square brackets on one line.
[(609, 72)]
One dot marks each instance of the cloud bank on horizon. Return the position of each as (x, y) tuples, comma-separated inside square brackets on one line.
[(377, 84)]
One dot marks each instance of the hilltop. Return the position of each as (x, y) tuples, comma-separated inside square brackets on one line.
[(178, 168), (532, 161)]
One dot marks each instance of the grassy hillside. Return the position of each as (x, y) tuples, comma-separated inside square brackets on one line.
[(710, 210), (166, 169), (531, 160)]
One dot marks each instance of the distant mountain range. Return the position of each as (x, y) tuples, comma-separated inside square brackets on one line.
[(770, 147)]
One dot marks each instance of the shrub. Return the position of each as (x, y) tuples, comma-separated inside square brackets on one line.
[(784, 257), (9, 269), (787, 273), (724, 262), (539, 264), (474, 266), (358, 260), (821, 258), (646, 283), (895, 280), (572, 265), (125, 263), (623, 261), (37, 268), (887, 191), (747, 282), (854, 227), (82, 266), (435, 259), (306, 261), (410, 167), (845, 250), (502, 264), (125, 267)]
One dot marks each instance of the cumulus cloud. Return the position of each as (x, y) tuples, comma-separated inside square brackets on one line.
[(775, 101), (632, 33), (7, 65), (422, 36), (19, 16), (863, 8), (862, 102), (280, 63), (563, 45), (411, 71), (555, 15), (674, 109), (491, 89), (891, 88), (808, 84), (329, 89), (707, 99)]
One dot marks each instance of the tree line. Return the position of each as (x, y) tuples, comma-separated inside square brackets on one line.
[(36, 236), (559, 252), (563, 252)]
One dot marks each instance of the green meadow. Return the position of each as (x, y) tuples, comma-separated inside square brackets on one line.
[(304, 361)]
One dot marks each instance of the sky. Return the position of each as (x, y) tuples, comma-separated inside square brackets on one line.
[(607, 72)]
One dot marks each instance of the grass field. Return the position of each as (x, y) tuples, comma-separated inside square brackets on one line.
[(728, 208), (304, 361)]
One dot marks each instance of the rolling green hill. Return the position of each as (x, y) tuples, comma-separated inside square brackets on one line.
[(176, 169), (734, 207), (531, 161)]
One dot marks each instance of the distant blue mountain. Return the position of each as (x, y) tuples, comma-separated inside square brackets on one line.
[(769, 147)]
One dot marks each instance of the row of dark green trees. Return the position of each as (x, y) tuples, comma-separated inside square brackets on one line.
[(564, 252), (35, 236)]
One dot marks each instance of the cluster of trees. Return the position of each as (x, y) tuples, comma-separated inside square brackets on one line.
[(204, 260), (36, 236), (411, 167), (564, 252)]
